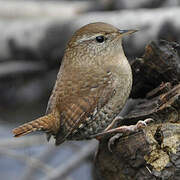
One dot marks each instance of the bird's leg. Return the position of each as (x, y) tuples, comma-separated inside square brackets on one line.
[(112, 140), (110, 126), (122, 129), (127, 129), (117, 118)]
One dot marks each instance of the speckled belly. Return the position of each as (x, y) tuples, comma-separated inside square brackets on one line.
[(99, 122), (93, 125)]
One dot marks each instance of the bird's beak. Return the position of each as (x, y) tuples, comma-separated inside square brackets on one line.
[(126, 32)]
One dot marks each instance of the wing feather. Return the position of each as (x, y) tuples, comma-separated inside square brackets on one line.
[(78, 94)]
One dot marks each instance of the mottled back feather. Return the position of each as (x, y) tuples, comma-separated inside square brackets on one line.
[(77, 94)]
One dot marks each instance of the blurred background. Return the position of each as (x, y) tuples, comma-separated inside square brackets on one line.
[(33, 34)]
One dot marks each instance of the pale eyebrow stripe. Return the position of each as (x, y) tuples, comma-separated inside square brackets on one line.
[(89, 38)]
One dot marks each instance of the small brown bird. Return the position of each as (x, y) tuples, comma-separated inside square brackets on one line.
[(92, 86)]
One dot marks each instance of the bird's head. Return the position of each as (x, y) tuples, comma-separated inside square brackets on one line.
[(96, 40), (98, 36)]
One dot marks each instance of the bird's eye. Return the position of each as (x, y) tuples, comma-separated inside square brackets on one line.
[(100, 39)]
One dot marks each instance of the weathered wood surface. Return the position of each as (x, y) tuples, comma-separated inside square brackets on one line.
[(154, 152)]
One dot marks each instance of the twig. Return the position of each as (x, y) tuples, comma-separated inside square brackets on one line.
[(30, 170), (18, 67), (72, 163), (29, 160)]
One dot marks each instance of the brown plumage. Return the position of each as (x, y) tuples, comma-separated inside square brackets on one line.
[(45, 123), (92, 86)]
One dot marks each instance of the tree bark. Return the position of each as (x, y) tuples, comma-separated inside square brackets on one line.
[(154, 152)]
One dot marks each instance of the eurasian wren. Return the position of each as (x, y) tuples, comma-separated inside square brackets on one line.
[(92, 86)]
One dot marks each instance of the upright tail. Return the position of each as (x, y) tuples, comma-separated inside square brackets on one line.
[(47, 123)]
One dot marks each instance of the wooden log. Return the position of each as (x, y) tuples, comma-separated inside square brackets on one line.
[(43, 9), (128, 4), (160, 63), (26, 25), (43, 37), (154, 152)]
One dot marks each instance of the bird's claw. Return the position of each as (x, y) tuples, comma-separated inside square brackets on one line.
[(141, 124), (124, 129), (112, 140)]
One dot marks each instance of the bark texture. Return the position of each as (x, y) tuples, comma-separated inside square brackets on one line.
[(154, 152)]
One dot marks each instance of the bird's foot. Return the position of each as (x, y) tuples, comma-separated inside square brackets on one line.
[(116, 119), (112, 140), (100, 135), (126, 129)]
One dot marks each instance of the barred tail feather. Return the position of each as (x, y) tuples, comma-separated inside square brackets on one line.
[(46, 123)]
